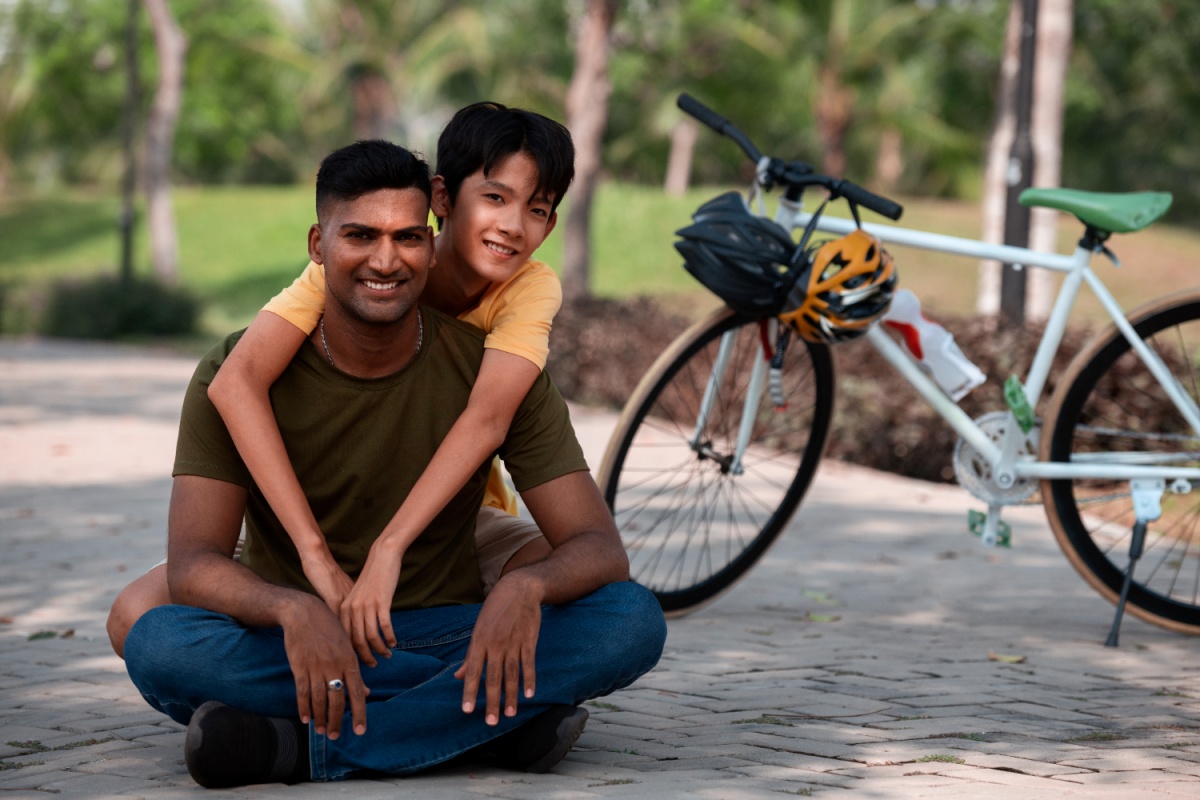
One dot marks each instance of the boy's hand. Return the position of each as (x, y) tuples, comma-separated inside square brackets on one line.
[(367, 611), (330, 581)]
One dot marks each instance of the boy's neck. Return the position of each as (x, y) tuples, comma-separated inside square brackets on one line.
[(453, 287)]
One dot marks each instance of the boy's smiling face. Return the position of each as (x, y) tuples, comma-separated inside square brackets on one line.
[(496, 222)]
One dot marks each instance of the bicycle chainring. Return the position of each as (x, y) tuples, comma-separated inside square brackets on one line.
[(974, 473)]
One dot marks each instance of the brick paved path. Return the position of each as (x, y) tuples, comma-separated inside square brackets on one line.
[(853, 663)]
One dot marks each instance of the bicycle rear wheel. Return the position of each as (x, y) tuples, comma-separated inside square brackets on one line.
[(1109, 405), (690, 524)]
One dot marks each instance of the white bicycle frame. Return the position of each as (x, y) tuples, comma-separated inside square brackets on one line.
[(1006, 459)]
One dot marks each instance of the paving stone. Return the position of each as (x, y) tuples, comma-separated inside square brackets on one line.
[(1132, 777), (820, 782), (919, 605)]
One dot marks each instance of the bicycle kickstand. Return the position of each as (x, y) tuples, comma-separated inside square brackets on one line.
[(1147, 505)]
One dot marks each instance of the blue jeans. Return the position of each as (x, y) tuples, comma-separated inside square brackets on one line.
[(181, 657)]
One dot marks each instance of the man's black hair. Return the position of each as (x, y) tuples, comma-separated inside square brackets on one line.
[(481, 135), (368, 166)]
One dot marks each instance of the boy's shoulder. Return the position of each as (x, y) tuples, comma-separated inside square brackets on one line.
[(532, 279), (533, 272)]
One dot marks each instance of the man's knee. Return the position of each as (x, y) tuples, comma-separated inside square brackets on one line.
[(630, 629), (641, 623), (143, 594)]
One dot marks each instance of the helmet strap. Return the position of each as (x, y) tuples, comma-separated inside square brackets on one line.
[(809, 229)]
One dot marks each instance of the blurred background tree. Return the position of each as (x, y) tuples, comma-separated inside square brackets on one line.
[(898, 94)]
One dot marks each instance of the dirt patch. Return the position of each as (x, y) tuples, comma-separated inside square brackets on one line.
[(600, 348)]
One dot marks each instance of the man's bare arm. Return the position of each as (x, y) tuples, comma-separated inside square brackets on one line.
[(204, 521), (587, 550), (587, 554)]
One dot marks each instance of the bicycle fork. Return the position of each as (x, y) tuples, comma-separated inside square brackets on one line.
[(732, 462)]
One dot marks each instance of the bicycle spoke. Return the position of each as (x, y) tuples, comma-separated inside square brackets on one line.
[(689, 521), (1115, 411)]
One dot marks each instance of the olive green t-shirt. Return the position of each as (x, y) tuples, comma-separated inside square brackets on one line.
[(359, 445)]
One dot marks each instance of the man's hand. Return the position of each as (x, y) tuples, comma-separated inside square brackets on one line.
[(319, 651), (503, 645), (328, 579), (367, 610)]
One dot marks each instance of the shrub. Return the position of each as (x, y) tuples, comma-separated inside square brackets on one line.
[(600, 348), (106, 307)]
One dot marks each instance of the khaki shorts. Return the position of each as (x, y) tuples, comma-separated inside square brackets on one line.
[(499, 535)]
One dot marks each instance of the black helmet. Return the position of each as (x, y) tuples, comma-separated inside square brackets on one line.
[(742, 258)]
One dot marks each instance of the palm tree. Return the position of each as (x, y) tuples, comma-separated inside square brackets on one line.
[(377, 66)]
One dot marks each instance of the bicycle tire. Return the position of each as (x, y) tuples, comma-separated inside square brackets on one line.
[(691, 528), (1109, 402)]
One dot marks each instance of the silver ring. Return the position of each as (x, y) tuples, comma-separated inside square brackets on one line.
[(336, 685)]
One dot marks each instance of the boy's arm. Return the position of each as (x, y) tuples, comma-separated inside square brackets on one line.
[(204, 521), (503, 381), (240, 393)]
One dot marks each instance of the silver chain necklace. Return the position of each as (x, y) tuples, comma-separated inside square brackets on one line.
[(325, 344)]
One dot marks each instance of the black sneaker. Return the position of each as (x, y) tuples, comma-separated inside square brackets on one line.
[(229, 747), (538, 745)]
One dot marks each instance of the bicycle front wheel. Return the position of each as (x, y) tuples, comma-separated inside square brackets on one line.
[(692, 519), (1110, 408)]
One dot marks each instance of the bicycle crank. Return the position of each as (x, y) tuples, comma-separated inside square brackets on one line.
[(974, 473)]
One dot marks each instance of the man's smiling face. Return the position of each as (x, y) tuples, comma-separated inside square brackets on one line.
[(377, 250)]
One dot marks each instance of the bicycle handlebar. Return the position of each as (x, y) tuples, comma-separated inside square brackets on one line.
[(793, 174), (692, 106), (877, 203)]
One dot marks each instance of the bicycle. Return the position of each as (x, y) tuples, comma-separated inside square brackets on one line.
[(704, 472)]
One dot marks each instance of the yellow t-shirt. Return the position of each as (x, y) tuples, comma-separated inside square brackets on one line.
[(516, 314)]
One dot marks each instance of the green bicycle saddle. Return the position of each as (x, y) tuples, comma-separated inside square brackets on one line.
[(1112, 212)]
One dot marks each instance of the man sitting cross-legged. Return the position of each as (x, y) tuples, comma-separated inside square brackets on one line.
[(255, 663)]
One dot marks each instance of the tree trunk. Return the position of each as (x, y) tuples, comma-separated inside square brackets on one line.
[(171, 47), (587, 114), (1013, 281), (1055, 25), (889, 165), (374, 105), (679, 160), (834, 108), (987, 301), (128, 141)]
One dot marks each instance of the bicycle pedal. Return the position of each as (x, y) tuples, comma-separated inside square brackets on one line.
[(977, 525)]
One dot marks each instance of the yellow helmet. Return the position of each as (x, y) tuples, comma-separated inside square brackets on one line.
[(846, 285)]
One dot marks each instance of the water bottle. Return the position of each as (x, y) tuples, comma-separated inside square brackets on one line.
[(932, 346)]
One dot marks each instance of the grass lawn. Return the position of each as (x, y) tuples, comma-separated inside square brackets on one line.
[(240, 245)]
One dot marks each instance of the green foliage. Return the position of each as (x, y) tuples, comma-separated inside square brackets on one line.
[(271, 87), (105, 307), (1132, 103), (62, 72)]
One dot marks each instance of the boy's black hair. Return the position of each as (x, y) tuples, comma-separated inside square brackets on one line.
[(482, 134), (367, 166)]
